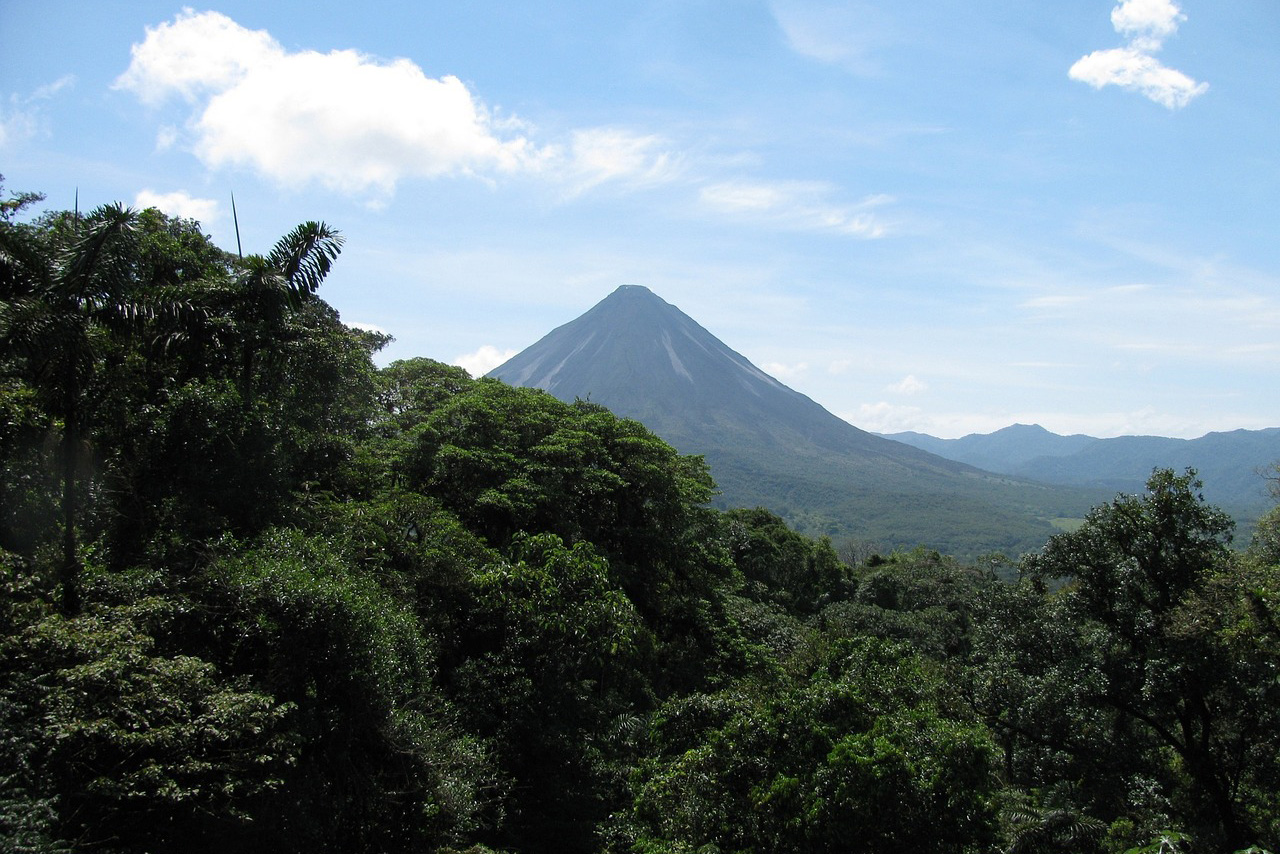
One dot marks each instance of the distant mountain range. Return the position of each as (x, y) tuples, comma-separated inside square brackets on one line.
[(771, 446), (1228, 463)]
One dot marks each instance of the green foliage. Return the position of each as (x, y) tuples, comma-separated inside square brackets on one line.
[(780, 565), (865, 755), (919, 597), (555, 666), (28, 507), (380, 766), (120, 745), (1143, 674)]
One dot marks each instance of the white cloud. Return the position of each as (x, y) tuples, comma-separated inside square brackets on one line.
[(367, 327), (885, 417), (798, 205), (194, 56), (1146, 23), (908, 385), (348, 121), (166, 138), (839, 366), (354, 123), (597, 155), (16, 124), (1137, 71), (44, 93), (841, 34), (483, 360), (781, 371), (360, 125), (1156, 19), (180, 204)]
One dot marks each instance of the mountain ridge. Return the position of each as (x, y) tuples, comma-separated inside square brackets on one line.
[(1227, 461)]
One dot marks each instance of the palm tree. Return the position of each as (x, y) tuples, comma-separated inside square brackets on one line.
[(63, 288), (70, 287), (269, 288)]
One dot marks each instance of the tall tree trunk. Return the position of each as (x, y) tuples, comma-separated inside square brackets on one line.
[(70, 573)]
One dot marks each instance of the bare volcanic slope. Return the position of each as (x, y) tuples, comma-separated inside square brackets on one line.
[(768, 445)]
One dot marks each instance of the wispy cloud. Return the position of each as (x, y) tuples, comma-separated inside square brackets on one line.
[(600, 155), (23, 118), (841, 34), (1195, 320), (885, 417), (797, 205), (360, 125), (1146, 23)]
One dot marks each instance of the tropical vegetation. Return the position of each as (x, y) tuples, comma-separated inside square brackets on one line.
[(259, 594)]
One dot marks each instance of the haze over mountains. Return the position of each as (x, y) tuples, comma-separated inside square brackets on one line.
[(1228, 463), (771, 446)]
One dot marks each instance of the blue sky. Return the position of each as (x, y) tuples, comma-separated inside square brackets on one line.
[(940, 216)]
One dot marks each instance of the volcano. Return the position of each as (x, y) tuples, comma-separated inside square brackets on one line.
[(771, 446)]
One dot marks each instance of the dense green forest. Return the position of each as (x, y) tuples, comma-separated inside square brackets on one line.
[(262, 595)]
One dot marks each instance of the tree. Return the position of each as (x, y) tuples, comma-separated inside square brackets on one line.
[(119, 745), (555, 664), (1131, 672), (63, 289), (268, 288), (865, 754), (381, 765), (781, 565), (101, 314)]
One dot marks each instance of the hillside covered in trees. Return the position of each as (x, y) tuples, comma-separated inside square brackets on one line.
[(261, 595)]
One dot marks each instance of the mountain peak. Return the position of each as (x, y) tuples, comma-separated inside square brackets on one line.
[(1021, 429), (767, 444), (633, 348)]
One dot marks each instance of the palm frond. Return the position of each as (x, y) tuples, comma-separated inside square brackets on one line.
[(24, 265), (305, 255), (89, 259)]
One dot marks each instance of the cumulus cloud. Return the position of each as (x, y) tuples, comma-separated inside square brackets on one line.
[(483, 360), (1146, 23), (195, 56), (350, 122), (1147, 19), (360, 125), (180, 204), (799, 205)]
